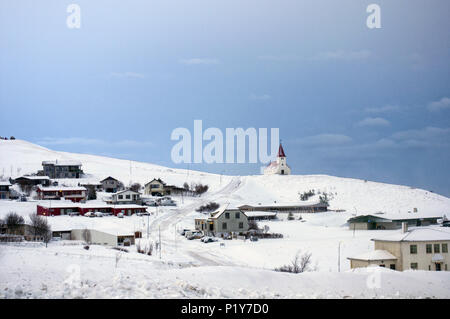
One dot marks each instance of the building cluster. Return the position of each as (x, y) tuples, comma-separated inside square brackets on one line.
[(422, 248)]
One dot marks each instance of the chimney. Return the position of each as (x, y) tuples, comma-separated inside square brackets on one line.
[(404, 227)]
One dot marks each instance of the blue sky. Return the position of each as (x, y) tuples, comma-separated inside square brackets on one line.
[(348, 100)]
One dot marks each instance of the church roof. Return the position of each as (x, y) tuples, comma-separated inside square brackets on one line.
[(281, 151)]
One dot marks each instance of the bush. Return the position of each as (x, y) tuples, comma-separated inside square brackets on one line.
[(299, 264), (211, 206), (253, 225), (306, 195), (200, 189), (146, 250), (14, 221), (135, 187)]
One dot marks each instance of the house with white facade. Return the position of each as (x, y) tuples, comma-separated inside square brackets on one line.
[(424, 248), (124, 197), (224, 221)]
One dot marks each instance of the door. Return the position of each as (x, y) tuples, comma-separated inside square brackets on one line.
[(438, 266)]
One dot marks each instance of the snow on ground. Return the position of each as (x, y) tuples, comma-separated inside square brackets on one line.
[(238, 269), (61, 271)]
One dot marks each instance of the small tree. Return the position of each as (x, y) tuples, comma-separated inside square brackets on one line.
[(300, 263), (290, 216), (211, 206), (253, 225), (200, 189), (135, 187), (324, 199), (41, 228), (91, 193), (14, 222)]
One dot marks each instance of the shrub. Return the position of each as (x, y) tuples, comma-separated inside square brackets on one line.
[(299, 264), (211, 206)]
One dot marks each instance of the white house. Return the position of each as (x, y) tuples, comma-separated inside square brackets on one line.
[(124, 197), (424, 248), (279, 166)]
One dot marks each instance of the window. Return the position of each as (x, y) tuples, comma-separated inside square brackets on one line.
[(437, 248), (414, 266), (241, 225), (445, 248), (238, 215), (227, 215), (120, 196), (392, 266), (128, 196), (413, 249), (224, 225), (429, 249)]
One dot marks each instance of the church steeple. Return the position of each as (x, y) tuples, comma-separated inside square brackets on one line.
[(281, 151)]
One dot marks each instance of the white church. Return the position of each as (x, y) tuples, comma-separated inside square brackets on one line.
[(278, 166)]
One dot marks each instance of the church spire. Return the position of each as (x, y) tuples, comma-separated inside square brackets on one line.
[(281, 151)]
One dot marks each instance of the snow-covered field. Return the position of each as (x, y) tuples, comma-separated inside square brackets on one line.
[(192, 269)]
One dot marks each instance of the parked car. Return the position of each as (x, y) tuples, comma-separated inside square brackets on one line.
[(183, 231), (167, 201), (195, 235), (120, 215), (253, 238), (71, 214), (98, 214), (149, 202), (89, 214), (143, 214), (208, 239), (23, 198)]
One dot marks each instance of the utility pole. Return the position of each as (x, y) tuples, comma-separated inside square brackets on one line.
[(148, 224), (159, 242), (339, 257)]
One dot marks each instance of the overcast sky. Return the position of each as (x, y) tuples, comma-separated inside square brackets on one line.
[(348, 100)]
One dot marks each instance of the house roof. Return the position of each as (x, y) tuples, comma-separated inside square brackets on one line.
[(124, 191), (109, 177), (5, 184), (33, 177), (62, 163), (156, 179), (61, 188), (375, 255), (225, 209), (417, 234), (260, 214), (388, 217), (283, 205)]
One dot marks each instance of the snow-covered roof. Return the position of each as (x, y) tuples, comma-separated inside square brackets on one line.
[(67, 203), (34, 177), (281, 204), (418, 234), (62, 188), (400, 216), (5, 184), (375, 255), (260, 214), (109, 177), (125, 191), (62, 163)]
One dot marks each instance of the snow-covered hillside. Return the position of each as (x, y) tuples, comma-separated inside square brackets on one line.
[(353, 195), (186, 268)]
